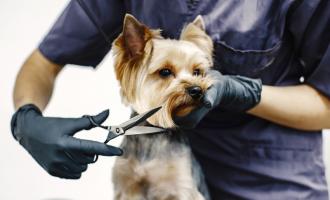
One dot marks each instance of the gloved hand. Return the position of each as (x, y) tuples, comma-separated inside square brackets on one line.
[(230, 93), (51, 143)]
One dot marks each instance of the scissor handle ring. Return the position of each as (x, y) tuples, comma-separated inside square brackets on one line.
[(91, 120)]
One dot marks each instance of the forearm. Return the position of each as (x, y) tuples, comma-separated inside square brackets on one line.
[(300, 107), (35, 81)]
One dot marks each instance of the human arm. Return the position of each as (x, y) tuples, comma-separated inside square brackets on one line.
[(73, 39), (35, 81), (300, 107), (50, 140)]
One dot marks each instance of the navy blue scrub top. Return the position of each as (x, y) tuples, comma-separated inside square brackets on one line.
[(279, 41)]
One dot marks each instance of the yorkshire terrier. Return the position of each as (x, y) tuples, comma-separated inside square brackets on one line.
[(154, 71)]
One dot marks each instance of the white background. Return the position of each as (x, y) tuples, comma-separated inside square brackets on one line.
[(22, 25)]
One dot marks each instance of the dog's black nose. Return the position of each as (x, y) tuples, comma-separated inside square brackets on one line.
[(195, 92)]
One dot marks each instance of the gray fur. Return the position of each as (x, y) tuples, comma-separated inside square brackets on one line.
[(174, 143)]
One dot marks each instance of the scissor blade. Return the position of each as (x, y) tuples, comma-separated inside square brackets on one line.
[(138, 130), (138, 119)]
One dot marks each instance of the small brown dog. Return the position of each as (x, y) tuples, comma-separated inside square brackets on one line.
[(153, 71)]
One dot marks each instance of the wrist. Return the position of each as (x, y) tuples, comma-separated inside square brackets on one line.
[(16, 117), (241, 94)]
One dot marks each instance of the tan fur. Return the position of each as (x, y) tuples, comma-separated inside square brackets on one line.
[(194, 33), (140, 54)]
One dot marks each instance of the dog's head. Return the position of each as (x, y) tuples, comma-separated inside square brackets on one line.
[(153, 71)]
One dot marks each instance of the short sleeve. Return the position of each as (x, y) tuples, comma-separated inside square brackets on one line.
[(74, 39), (310, 26)]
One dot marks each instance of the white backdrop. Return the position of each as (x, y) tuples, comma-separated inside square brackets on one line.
[(22, 25)]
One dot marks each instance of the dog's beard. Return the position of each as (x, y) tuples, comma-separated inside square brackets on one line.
[(177, 104), (173, 98)]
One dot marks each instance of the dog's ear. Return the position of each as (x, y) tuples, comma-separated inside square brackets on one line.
[(135, 35), (199, 22), (195, 32), (130, 48)]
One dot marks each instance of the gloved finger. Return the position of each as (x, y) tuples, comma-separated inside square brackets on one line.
[(92, 147), (58, 170), (84, 123), (81, 158), (210, 97)]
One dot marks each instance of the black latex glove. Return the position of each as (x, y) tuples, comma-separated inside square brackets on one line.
[(231, 93), (51, 143)]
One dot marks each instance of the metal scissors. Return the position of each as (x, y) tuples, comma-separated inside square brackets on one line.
[(130, 127)]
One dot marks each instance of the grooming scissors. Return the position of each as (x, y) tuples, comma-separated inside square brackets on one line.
[(130, 127)]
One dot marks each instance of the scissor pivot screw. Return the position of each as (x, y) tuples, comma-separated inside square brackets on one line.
[(117, 130)]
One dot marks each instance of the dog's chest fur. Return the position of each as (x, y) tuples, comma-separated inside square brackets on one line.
[(157, 167)]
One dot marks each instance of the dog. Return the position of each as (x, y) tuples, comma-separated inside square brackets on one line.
[(153, 71)]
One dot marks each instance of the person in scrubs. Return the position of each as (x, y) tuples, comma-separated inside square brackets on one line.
[(258, 135)]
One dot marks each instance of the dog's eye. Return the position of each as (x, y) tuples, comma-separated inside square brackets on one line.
[(196, 72), (165, 72)]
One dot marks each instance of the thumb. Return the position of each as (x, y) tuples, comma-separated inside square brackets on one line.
[(83, 123), (210, 97)]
